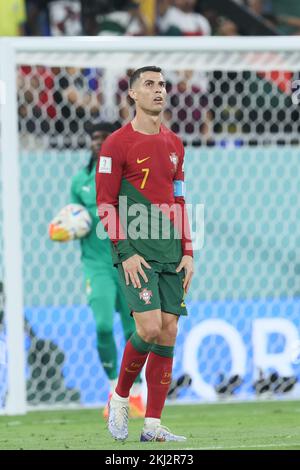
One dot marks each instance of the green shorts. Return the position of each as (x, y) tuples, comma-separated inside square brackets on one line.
[(164, 289)]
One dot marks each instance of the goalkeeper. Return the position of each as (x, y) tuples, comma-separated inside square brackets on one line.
[(101, 278)]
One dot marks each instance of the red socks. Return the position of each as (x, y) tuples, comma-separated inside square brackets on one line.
[(158, 372), (132, 364), (159, 377)]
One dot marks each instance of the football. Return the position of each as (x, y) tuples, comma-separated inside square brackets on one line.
[(72, 222)]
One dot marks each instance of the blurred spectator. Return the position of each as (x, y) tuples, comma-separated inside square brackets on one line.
[(263, 9), (37, 18), (136, 17), (65, 18), (148, 9), (181, 19), (59, 101), (123, 100), (187, 111), (90, 10), (38, 106), (290, 21), (226, 27), (54, 18), (187, 90), (81, 93), (257, 6), (128, 21), (12, 17)]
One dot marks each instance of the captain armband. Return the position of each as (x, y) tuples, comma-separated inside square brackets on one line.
[(179, 188)]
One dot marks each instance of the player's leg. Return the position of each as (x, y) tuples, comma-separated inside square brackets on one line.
[(159, 367), (160, 359), (145, 305), (102, 303), (136, 404), (159, 377), (135, 354)]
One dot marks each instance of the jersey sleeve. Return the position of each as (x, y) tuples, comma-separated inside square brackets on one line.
[(109, 172), (184, 228)]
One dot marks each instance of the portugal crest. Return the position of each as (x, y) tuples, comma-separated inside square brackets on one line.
[(174, 159), (146, 295)]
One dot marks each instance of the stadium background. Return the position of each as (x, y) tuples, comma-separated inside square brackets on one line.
[(241, 134)]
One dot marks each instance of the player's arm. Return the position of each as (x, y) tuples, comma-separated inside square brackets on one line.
[(187, 262), (74, 196), (109, 173), (108, 183)]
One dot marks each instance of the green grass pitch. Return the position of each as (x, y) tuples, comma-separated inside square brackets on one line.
[(256, 425)]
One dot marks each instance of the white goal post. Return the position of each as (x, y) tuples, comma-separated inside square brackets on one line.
[(201, 55)]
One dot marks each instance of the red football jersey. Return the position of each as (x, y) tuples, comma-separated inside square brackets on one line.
[(148, 170)]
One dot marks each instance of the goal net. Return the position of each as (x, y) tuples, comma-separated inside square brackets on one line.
[(234, 102)]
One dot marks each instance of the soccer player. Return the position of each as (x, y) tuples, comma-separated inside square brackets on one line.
[(143, 163), (102, 283)]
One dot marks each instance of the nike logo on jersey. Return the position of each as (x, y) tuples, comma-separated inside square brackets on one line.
[(142, 159), (86, 188)]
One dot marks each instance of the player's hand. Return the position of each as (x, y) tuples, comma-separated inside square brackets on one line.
[(132, 268), (186, 263)]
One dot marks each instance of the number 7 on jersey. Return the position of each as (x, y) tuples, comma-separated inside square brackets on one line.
[(146, 171)]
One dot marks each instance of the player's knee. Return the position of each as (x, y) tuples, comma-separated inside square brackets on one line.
[(150, 333), (170, 331)]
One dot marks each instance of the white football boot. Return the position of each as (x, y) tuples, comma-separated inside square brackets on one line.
[(159, 433), (118, 409)]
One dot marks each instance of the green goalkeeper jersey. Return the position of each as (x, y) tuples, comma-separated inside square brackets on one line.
[(95, 251)]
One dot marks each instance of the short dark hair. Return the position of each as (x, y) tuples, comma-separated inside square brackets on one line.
[(137, 73)]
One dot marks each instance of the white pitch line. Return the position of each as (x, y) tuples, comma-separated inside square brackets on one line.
[(250, 446)]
